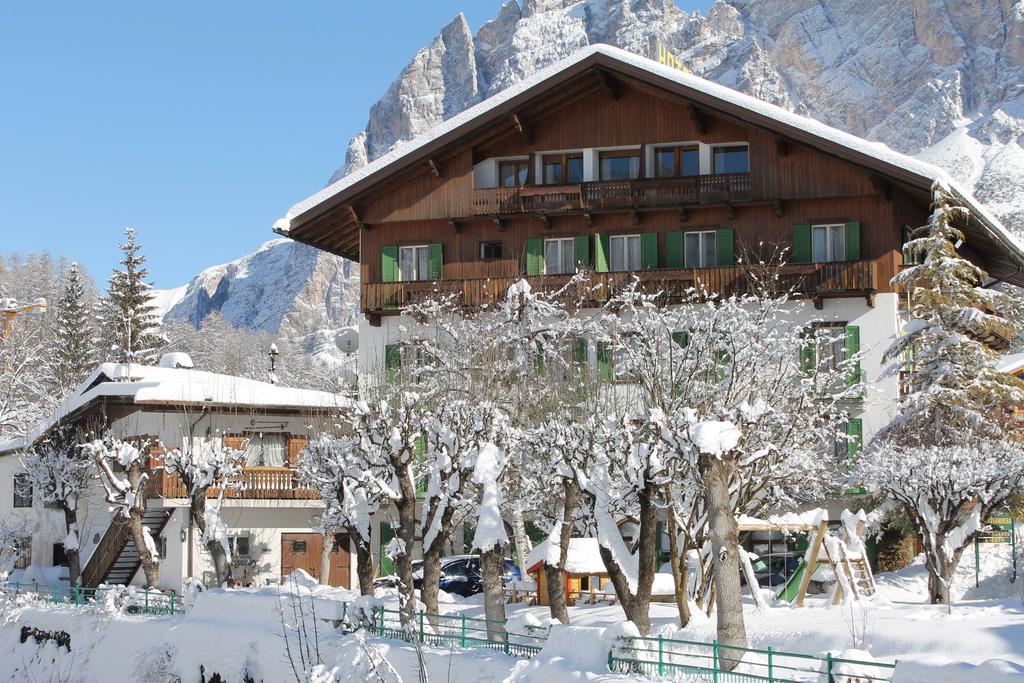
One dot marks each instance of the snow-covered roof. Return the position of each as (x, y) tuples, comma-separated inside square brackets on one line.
[(584, 556), (146, 385), (1011, 363), (797, 124)]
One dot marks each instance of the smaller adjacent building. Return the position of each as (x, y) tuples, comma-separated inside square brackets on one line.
[(585, 573), (272, 520)]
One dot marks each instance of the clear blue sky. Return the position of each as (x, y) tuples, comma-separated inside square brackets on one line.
[(197, 123)]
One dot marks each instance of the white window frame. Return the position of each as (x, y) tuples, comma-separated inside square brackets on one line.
[(624, 255), (416, 275), (563, 244), (830, 230), (702, 235)]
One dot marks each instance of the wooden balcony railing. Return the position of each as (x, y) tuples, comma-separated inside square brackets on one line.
[(815, 280), (612, 194), (266, 483)]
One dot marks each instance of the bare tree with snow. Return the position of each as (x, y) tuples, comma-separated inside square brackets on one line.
[(123, 470), (202, 464), (58, 472)]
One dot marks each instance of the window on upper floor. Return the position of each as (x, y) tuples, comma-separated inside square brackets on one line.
[(412, 262), (22, 491), (490, 250), (625, 252), (620, 164), (559, 256), (673, 162), (265, 450), (730, 159), (513, 173), (828, 243), (700, 249), (563, 169)]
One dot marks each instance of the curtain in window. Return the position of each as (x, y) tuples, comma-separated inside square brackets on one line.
[(265, 450)]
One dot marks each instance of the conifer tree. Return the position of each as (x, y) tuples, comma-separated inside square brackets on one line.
[(74, 353), (953, 454), (127, 316)]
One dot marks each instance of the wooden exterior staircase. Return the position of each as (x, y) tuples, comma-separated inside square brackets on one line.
[(116, 559)]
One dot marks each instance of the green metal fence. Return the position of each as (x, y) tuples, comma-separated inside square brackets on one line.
[(137, 601), (695, 661)]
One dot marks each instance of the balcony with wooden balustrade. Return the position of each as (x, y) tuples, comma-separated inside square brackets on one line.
[(606, 195), (254, 483), (815, 281)]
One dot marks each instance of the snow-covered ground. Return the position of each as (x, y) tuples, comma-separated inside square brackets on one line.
[(239, 632)]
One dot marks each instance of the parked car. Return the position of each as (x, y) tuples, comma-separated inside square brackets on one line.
[(460, 575)]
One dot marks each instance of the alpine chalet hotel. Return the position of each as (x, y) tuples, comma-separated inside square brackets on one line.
[(618, 164)]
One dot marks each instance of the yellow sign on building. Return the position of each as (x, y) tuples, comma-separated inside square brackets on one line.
[(666, 57)]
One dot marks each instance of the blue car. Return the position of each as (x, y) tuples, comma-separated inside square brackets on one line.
[(461, 575)]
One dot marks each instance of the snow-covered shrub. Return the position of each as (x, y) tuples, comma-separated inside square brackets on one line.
[(357, 661)]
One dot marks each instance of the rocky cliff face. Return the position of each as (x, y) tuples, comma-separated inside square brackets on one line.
[(941, 79), (283, 288)]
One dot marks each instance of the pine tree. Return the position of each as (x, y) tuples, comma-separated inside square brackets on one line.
[(127, 316), (946, 351), (74, 352)]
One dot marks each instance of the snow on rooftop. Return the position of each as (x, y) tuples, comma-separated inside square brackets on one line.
[(877, 150), (584, 556), (148, 385)]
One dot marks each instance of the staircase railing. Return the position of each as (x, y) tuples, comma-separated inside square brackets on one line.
[(106, 552)]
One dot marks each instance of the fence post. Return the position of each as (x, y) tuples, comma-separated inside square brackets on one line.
[(504, 632), (172, 603), (771, 677), (661, 655), (828, 660), (145, 600), (421, 626), (381, 622), (463, 639), (714, 660), (56, 593), (344, 610)]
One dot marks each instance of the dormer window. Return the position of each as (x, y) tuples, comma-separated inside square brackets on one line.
[(731, 159)]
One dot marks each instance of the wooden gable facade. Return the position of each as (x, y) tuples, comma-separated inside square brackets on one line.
[(478, 235)]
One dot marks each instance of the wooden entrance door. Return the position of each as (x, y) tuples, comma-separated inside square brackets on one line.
[(301, 551), (341, 562)]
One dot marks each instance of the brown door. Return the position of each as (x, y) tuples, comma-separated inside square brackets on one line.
[(301, 551), (341, 562)]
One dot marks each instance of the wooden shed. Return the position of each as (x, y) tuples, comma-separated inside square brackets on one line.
[(585, 573)]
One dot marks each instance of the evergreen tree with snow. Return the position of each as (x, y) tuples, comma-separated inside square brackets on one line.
[(128, 321), (953, 453), (74, 352)]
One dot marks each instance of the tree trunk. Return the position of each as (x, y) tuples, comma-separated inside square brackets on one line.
[(492, 567), (724, 537), (221, 565), (74, 562), (150, 564), (647, 559), (406, 533), (554, 575), (364, 562), (325, 557), (432, 562), (522, 540), (940, 573), (680, 572)]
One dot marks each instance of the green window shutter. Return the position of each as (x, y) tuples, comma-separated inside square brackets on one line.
[(601, 251), (389, 263), (674, 250), (853, 241), (421, 480), (534, 257), (682, 338), (801, 243), (392, 361), (851, 342), (649, 251), (579, 351), (582, 244), (854, 430), (808, 351), (435, 261), (387, 567), (724, 246), (604, 362)]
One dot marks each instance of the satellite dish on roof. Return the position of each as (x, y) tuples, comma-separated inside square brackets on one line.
[(347, 340)]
